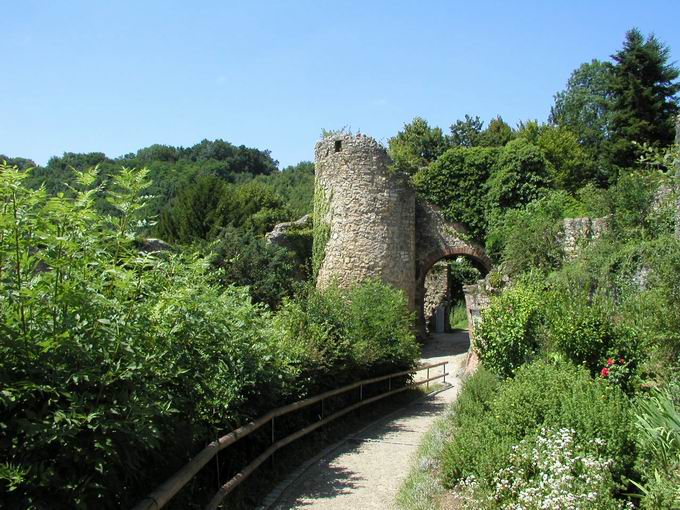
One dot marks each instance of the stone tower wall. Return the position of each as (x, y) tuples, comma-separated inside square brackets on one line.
[(369, 213)]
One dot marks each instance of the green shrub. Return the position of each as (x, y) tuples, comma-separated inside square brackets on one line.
[(584, 332), (456, 182), (113, 360), (337, 335), (540, 396), (521, 174), (508, 334), (270, 272), (530, 237)]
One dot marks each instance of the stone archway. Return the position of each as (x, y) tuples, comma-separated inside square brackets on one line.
[(374, 225), (438, 239)]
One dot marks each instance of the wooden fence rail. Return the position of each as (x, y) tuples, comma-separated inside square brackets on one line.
[(168, 489)]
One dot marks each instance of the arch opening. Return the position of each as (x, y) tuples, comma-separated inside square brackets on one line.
[(439, 296)]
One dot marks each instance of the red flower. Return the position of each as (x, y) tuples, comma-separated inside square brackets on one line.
[(610, 362), (604, 372)]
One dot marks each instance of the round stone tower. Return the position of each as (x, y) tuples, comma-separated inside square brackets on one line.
[(364, 215)]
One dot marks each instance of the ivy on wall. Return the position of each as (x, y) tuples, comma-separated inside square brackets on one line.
[(321, 228)]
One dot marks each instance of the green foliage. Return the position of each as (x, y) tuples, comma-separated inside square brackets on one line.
[(644, 101), (416, 146), (541, 396), (295, 185), (336, 336), (583, 330), (107, 353), (461, 272), (113, 360), (191, 215), (270, 272), (203, 208), (321, 229), (521, 175), (584, 108), (456, 182), (530, 237), (507, 336), (465, 133), (571, 166), (658, 422), (497, 134)]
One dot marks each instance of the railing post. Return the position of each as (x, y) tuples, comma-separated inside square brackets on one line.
[(389, 384), (361, 392), (322, 408), (444, 365), (427, 384)]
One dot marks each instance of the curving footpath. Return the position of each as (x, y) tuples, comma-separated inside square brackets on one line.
[(365, 471)]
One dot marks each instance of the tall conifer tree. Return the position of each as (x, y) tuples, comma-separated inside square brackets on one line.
[(644, 88)]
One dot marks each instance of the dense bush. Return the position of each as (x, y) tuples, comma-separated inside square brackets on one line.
[(520, 176), (495, 425), (110, 356), (530, 237), (508, 334), (113, 360), (456, 182), (270, 272), (337, 335)]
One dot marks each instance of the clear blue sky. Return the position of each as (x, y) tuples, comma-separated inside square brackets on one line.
[(115, 76)]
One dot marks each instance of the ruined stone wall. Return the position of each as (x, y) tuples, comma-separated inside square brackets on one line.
[(477, 299), (437, 293), (578, 230), (368, 213)]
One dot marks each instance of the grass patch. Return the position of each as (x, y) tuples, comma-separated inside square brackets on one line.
[(458, 318), (422, 489)]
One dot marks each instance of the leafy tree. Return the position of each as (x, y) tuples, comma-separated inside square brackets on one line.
[(570, 165), (465, 133), (584, 106), (416, 146), (20, 163), (295, 185), (456, 182), (497, 134), (240, 159), (644, 90), (520, 176), (251, 206), (191, 215)]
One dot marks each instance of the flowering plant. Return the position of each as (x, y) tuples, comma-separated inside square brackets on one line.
[(550, 471), (617, 370)]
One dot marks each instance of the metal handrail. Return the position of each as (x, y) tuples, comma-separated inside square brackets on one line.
[(168, 489)]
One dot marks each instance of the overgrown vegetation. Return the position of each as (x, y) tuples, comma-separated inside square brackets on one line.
[(575, 405), (115, 359)]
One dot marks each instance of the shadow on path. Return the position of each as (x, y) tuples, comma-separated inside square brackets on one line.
[(365, 470)]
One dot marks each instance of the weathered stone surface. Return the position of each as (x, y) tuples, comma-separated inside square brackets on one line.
[(578, 230), (437, 294), (378, 229), (371, 214), (279, 235), (477, 299)]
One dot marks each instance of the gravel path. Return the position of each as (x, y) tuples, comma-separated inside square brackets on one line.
[(365, 471)]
